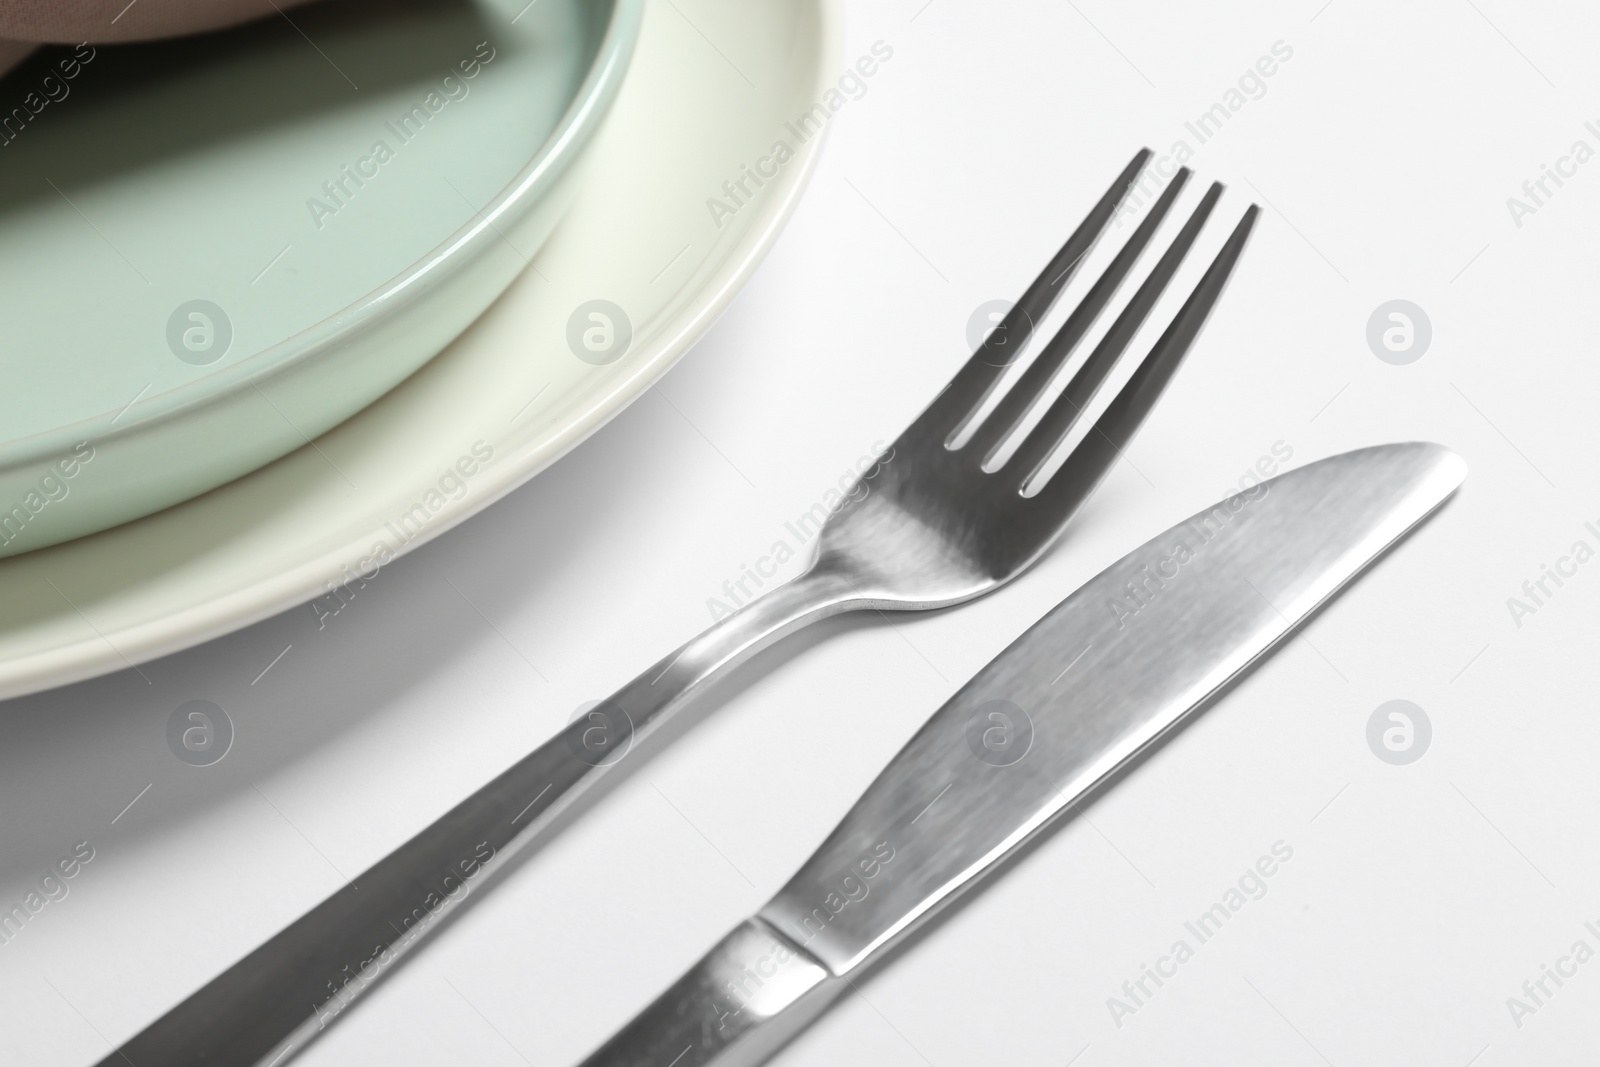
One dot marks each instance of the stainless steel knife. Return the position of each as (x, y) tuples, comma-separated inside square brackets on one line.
[(1127, 657)]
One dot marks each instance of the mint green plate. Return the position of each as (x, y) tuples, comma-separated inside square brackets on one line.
[(216, 249)]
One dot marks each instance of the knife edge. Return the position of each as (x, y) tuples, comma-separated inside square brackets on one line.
[(1249, 580)]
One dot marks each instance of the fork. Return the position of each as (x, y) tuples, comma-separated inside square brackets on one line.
[(934, 523)]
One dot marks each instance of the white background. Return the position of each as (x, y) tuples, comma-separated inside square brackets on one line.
[(1418, 899)]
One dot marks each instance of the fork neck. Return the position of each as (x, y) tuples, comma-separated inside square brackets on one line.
[(783, 609)]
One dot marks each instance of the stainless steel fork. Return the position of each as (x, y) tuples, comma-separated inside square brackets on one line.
[(929, 526)]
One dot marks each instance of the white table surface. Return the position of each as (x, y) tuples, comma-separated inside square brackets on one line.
[(1418, 899)]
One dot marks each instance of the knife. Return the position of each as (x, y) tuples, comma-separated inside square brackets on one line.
[(1130, 655)]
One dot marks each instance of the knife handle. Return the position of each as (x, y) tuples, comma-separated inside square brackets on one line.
[(742, 1002)]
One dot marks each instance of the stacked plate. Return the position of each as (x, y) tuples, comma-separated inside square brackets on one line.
[(219, 248), (227, 259)]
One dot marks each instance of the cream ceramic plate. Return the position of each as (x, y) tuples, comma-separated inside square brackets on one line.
[(637, 270)]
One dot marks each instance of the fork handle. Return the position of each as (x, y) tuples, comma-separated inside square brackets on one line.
[(284, 993)]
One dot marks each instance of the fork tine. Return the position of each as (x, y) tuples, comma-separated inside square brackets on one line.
[(973, 382), (1059, 419), (1093, 457), (1015, 404)]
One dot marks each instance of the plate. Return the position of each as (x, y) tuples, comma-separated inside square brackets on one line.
[(650, 252), (217, 248)]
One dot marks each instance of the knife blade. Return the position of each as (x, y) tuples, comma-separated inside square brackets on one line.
[(1127, 657)]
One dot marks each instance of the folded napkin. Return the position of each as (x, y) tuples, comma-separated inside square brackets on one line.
[(25, 24)]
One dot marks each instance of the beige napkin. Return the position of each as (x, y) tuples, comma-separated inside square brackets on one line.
[(24, 24)]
